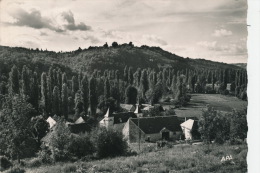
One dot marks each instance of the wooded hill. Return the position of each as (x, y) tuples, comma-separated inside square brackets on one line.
[(115, 57)]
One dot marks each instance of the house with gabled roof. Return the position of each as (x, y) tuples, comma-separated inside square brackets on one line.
[(51, 122), (116, 121), (152, 129), (128, 107)]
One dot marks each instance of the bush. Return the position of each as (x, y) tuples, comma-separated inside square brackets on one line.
[(60, 141), (224, 92), (81, 146), (69, 168), (35, 162), (16, 170), (109, 143), (45, 155), (4, 163)]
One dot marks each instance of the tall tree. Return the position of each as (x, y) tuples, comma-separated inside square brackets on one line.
[(14, 81), (80, 76), (144, 85), (85, 93), (74, 85), (25, 82), (44, 94), (49, 94), (78, 104), (34, 91), (117, 76), (64, 78), (64, 100), (130, 95), (107, 89), (56, 101), (130, 76), (93, 98), (126, 74), (15, 131), (59, 79)]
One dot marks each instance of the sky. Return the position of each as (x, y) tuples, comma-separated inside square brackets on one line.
[(211, 29)]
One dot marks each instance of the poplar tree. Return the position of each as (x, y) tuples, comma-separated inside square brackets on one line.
[(74, 85), (44, 98), (64, 100), (93, 98), (35, 91), (126, 74), (56, 101), (130, 95), (144, 85), (25, 82), (64, 78), (49, 94), (117, 77), (85, 93), (14, 81), (80, 76), (59, 79), (107, 89), (130, 76)]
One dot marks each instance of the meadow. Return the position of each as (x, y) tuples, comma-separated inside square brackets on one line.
[(182, 158), (200, 101)]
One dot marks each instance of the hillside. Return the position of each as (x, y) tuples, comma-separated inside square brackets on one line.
[(180, 158), (242, 65), (102, 58)]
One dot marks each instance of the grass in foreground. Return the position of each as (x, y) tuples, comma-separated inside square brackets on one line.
[(181, 158)]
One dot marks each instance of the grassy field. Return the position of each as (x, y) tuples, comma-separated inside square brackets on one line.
[(180, 158), (199, 102)]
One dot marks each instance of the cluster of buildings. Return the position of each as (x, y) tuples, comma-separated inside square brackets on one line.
[(136, 127)]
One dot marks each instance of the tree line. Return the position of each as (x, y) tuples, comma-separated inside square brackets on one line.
[(53, 93)]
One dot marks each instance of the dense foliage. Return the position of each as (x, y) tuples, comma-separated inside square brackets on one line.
[(220, 127)]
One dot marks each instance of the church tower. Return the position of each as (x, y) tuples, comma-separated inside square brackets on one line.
[(108, 120), (138, 111)]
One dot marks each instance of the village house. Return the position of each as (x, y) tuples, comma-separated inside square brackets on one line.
[(152, 129), (116, 121), (190, 127), (79, 126), (128, 107)]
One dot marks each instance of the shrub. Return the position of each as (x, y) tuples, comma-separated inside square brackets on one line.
[(16, 170), (4, 163), (45, 155), (35, 162), (214, 125), (60, 141), (81, 146), (108, 143), (114, 44), (69, 168)]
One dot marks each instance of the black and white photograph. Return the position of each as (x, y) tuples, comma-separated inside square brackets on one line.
[(142, 86)]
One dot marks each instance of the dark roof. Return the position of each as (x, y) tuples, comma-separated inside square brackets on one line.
[(79, 128), (123, 117), (128, 107), (151, 125)]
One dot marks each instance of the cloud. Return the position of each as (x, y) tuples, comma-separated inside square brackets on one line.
[(31, 19), (43, 34), (69, 18), (155, 39), (92, 39), (224, 49), (208, 45), (222, 32), (34, 19)]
